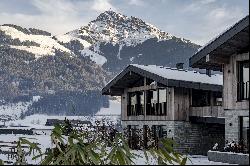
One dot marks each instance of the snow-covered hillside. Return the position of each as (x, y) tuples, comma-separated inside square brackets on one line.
[(13, 111), (41, 44)]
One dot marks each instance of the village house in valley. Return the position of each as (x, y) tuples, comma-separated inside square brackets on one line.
[(174, 103), (229, 53)]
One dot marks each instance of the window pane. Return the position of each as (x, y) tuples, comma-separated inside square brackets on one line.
[(246, 80), (246, 72), (132, 103), (243, 80), (141, 100), (200, 98), (152, 102), (244, 129), (162, 101), (136, 103)]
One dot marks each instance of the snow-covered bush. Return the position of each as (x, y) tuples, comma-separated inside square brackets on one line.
[(232, 146)]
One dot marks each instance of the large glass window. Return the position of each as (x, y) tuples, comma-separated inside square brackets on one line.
[(152, 102), (243, 80), (244, 132), (136, 103), (200, 98), (132, 104), (157, 102), (162, 102), (141, 103)]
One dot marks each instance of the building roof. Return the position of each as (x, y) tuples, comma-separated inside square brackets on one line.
[(166, 76), (233, 40)]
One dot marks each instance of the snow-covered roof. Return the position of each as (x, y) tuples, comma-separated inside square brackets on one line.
[(233, 39), (182, 75), (164, 75)]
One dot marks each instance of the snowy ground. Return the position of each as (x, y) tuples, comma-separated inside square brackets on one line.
[(45, 142), (15, 110), (111, 114), (38, 121)]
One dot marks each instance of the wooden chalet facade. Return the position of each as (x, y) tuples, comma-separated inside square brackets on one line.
[(229, 53), (176, 103)]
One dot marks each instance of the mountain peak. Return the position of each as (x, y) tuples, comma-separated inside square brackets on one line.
[(110, 12), (114, 27), (109, 15)]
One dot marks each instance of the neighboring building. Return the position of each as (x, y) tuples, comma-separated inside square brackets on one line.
[(75, 123), (174, 103), (229, 53), (45, 130)]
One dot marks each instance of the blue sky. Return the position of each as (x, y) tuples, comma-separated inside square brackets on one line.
[(196, 20)]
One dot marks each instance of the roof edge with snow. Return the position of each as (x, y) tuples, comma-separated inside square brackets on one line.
[(165, 76), (233, 40)]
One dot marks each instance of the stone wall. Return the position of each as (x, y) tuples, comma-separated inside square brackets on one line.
[(198, 138), (228, 157), (190, 138), (232, 124)]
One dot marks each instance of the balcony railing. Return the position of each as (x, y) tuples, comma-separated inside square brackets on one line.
[(207, 111), (158, 109), (243, 91), (135, 110)]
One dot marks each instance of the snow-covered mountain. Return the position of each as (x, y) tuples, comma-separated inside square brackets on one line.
[(114, 40), (115, 28), (67, 71), (33, 63)]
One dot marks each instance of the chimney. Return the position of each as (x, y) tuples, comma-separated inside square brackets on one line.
[(179, 65), (208, 72)]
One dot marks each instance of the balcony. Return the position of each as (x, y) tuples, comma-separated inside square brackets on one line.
[(207, 111)]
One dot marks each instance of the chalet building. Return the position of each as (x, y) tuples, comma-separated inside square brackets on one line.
[(174, 103), (229, 53)]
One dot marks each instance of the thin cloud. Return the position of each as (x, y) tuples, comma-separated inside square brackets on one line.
[(196, 20), (137, 2), (57, 16), (103, 5)]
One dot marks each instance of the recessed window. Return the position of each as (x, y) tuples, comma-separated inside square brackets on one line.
[(200, 98), (243, 80), (244, 132), (152, 102), (162, 101), (217, 96), (156, 102), (136, 103)]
